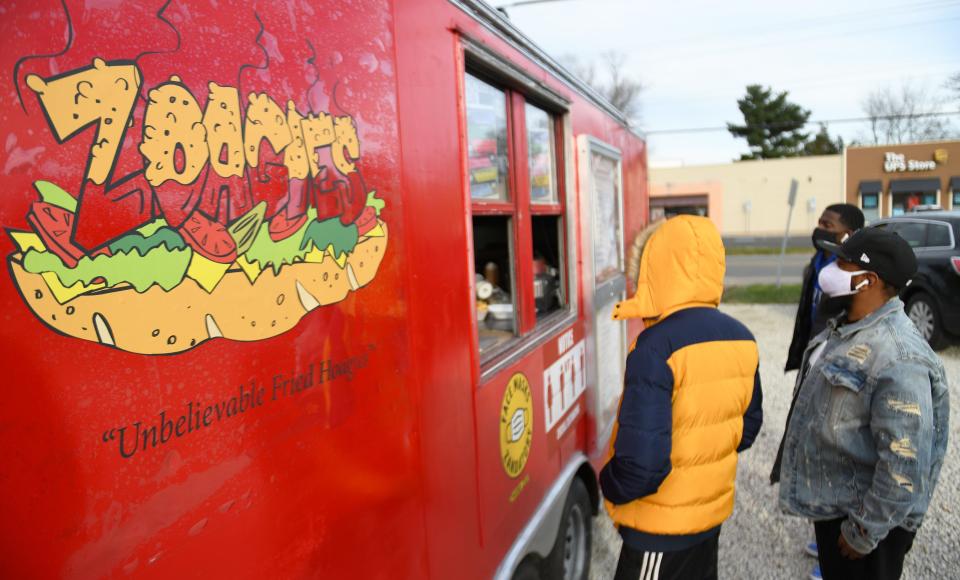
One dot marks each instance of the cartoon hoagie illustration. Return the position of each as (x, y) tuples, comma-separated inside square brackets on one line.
[(245, 234)]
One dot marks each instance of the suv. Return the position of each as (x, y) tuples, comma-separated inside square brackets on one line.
[(933, 299)]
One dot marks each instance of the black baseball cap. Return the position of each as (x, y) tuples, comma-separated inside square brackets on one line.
[(879, 251)]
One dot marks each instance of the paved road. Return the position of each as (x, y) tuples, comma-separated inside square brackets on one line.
[(744, 270), (760, 542)]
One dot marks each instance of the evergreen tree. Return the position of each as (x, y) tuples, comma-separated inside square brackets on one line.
[(772, 125), (822, 144)]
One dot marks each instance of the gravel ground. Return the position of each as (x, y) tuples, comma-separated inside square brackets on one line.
[(760, 542)]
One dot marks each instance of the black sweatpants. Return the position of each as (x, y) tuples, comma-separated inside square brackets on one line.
[(696, 563), (883, 563)]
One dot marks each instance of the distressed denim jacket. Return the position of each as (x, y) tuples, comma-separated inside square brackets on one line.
[(869, 428)]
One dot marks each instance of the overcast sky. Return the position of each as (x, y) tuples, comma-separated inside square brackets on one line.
[(696, 57)]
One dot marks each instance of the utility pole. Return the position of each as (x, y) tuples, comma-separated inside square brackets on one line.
[(791, 201)]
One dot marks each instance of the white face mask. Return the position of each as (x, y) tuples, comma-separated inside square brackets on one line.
[(836, 282)]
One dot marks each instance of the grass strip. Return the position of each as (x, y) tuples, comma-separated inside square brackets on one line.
[(759, 251), (762, 294)]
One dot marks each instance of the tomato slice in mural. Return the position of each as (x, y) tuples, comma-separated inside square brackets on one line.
[(367, 220), (54, 225), (282, 227), (209, 238)]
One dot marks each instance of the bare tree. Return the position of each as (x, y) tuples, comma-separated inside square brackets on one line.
[(585, 71), (612, 81), (904, 115), (953, 85), (622, 90)]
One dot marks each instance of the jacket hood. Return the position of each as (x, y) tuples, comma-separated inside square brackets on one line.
[(682, 266)]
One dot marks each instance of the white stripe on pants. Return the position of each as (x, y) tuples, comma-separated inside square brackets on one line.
[(656, 571), (650, 569)]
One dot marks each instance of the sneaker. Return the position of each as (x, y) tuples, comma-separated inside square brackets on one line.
[(811, 549), (815, 573)]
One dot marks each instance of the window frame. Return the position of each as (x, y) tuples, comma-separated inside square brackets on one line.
[(520, 89), (549, 208), (558, 210), (494, 206)]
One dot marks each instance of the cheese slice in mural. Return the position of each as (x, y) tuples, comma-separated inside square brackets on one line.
[(244, 232)]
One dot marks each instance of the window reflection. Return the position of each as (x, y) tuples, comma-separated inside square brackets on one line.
[(541, 156), (486, 140)]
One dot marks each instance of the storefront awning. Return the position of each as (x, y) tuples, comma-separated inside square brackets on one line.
[(871, 187), (955, 184), (914, 186)]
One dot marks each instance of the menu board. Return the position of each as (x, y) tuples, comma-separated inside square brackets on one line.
[(607, 261)]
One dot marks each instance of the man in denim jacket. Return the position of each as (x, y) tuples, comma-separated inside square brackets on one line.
[(866, 439)]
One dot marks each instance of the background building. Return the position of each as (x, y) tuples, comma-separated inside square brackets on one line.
[(748, 199), (894, 179)]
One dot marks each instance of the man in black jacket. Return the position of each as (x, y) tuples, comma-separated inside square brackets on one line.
[(837, 222)]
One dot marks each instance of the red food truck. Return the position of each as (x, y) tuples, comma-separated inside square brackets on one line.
[(304, 289)]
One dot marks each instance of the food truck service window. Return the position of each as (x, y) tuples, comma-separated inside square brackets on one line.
[(547, 227), (519, 242)]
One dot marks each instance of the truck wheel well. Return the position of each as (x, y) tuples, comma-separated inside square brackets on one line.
[(589, 478)]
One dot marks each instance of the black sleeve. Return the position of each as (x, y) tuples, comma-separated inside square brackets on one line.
[(801, 326), (753, 418), (641, 456)]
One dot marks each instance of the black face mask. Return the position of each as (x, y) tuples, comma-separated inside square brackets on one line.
[(821, 234)]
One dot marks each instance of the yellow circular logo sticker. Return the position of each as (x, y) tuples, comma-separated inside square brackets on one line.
[(516, 425)]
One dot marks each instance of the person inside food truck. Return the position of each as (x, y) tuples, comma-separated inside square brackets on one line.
[(691, 402)]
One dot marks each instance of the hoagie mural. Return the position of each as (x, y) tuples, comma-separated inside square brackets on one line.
[(234, 214)]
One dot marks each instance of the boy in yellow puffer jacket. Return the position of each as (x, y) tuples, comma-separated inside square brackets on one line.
[(691, 402)]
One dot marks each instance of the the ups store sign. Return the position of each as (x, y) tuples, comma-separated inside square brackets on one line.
[(895, 179)]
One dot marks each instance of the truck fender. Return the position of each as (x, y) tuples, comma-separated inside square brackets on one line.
[(540, 533)]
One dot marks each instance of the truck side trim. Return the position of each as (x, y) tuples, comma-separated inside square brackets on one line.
[(532, 341)]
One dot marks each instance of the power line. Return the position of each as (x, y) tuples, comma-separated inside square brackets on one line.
[(821, 122), (738, 46), (673, 93), (781, 28)]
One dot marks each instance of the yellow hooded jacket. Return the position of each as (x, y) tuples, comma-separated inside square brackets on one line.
[(691, 399)]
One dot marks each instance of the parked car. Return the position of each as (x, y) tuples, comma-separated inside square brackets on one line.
[(933, 299)]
